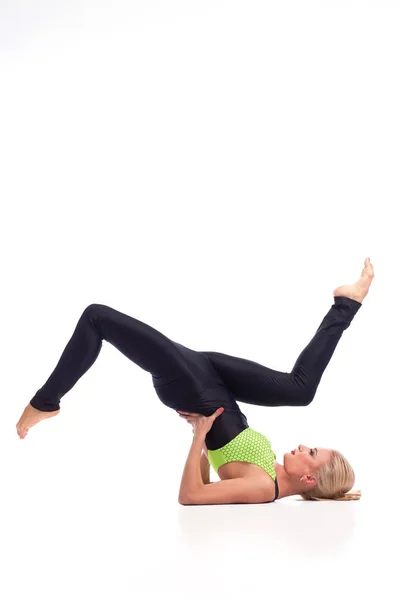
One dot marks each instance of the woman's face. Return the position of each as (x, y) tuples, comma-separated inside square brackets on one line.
[(306, 459)]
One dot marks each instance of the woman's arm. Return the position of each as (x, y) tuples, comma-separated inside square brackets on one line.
[(192, 480), (205, 449), (205, 468), (232, 491)]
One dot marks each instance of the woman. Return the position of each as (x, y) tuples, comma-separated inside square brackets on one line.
[(200, 384)]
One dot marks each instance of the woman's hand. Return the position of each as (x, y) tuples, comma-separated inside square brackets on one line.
[(201, 424)]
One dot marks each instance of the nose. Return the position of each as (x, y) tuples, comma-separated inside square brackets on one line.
[(300, 447)]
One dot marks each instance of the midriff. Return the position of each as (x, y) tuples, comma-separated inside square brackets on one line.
[(235, 469)]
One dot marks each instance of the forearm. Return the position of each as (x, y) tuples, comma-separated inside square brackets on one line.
[(192, 476), (205, 468)]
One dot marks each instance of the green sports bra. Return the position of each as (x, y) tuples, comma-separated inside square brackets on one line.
[(248, 446)]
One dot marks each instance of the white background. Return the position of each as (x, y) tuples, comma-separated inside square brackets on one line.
[(215, 169)]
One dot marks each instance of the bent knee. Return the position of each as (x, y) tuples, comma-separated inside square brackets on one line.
[(94, 308), (308, 397)]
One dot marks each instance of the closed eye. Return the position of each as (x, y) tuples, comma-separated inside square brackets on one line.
[(312, 452)]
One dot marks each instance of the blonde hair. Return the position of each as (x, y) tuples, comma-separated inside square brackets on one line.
[(334, 480)]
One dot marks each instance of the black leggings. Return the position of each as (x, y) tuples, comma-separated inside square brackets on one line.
[(196, 381)]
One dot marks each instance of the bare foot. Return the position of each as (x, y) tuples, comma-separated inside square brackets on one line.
[(30, 417), (360, 289)]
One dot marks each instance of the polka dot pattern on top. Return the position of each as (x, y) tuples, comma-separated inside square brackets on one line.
[(249, 446)]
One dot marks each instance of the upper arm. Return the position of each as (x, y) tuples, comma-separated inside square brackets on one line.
[(243, 490)]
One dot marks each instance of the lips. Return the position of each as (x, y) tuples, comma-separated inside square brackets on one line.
[(293, 451)]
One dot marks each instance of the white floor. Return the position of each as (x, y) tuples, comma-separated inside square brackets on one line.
[(70, 544)]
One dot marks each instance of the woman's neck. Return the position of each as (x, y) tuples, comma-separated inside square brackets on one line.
[(286, 485)]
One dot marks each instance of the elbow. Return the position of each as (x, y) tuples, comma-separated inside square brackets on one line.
[(191, 496), (186, 500), (182, 498)]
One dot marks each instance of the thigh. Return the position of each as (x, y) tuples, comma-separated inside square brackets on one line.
[(178, 372), (253, 383), (144, 345)]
